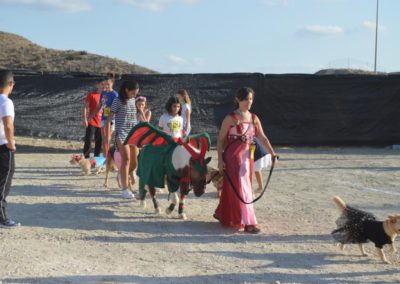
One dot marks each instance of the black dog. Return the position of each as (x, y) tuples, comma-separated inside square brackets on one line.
[(358, 227)]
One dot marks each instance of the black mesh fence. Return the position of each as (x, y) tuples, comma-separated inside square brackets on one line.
[(294, 109)]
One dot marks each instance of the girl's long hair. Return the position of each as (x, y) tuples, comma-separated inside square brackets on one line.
[(185, 95), (127, 86)]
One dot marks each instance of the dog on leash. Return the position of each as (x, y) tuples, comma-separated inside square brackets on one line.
[(83, 163), (113, 161), (355, 226), (217, 179)]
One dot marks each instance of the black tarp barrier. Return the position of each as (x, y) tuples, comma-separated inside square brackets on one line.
[(295, 109)]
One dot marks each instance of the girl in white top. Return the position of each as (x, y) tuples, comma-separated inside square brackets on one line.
[(184, 98), (142, 111), (171, 122)]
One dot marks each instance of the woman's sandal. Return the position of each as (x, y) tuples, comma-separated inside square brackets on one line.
[(251, 229)]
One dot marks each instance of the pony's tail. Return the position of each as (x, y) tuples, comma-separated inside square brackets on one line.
[(340, 203)]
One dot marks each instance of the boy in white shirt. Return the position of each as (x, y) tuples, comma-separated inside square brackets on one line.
[(7, 145)]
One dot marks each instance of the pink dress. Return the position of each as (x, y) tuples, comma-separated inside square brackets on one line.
[(231, 212)]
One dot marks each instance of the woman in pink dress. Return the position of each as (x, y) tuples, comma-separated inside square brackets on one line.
[(235, 158)]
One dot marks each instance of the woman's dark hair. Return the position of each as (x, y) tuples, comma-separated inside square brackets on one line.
[(173, 100), (127, 86), (242, 94)]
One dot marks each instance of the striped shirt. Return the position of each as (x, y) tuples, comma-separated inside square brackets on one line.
[(125, 117)]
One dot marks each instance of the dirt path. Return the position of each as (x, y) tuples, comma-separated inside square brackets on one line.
[(75, 232)]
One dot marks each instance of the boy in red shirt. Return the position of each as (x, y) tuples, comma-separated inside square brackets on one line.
[(89, 106)]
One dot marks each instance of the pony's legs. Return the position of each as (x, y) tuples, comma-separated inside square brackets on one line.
[(152, 192), (142, 193), (182, 214), (174, 201)]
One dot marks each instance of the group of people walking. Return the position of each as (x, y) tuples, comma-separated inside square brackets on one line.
[(107, 113), (113, 114)]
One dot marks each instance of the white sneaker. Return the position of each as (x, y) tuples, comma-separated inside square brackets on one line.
[(9, 224), (127, 194)]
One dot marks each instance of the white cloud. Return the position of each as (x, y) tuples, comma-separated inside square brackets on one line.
[(177, 60), (179, 64), (274, 2), (318, 30), (72, 6), (370, 25), (155, 5)]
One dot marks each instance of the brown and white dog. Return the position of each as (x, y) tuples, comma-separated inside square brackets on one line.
[(83, 163), (217, 179), (358, 227)]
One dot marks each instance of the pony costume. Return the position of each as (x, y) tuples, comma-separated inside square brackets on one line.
[(181, 163)]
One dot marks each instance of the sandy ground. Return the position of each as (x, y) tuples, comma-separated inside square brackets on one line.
[(73, 231)]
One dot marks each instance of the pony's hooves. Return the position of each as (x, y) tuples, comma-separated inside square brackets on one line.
[(143, 203), (183, 216), (168, 211), (157, 210)]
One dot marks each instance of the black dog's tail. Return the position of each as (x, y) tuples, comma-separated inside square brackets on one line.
[(340, 203)]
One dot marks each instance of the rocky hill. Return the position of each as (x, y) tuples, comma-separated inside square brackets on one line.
[(347, 71), (17, 52)]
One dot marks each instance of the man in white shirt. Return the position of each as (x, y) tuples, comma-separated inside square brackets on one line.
[(7, 145)]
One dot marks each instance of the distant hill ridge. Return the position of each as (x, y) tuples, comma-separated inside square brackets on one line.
[(16, 52)]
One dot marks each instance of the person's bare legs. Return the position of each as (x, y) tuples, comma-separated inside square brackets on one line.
[(259, 180), (105, 136), (124, 151)]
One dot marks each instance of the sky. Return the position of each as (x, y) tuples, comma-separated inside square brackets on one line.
[(216, 36)]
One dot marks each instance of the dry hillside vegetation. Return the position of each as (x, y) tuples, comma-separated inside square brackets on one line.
[(17, 52)]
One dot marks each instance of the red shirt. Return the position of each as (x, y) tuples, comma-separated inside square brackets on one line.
[(92, 100)]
